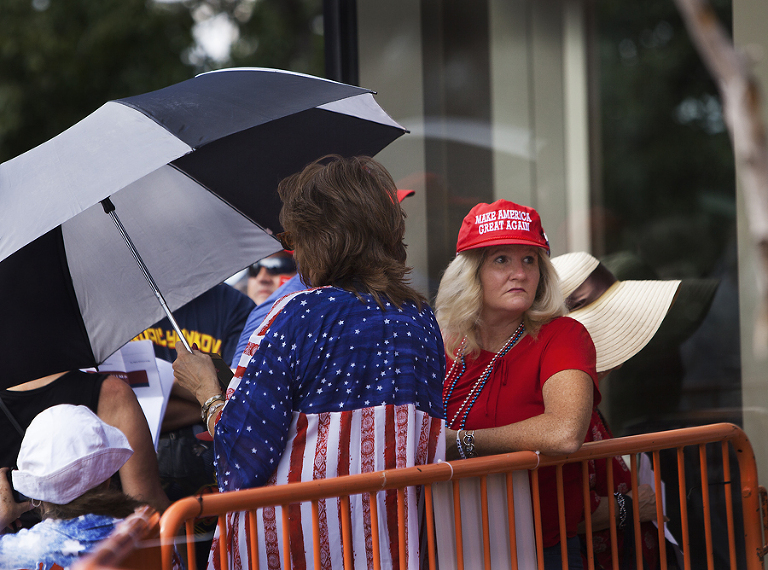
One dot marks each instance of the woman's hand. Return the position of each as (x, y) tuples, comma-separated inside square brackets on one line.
[(195, 372), (10, 510), (645, 503)]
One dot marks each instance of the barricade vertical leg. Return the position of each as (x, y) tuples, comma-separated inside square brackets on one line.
[(749, 501), (346, 532), (635, 513), (375, 531), (511, 520), (429, 514), (728, 487), (191, 554), (683, 508), (587, 514), (705, 503), (660, 506), (612, 513), (401, 527), (166, 552), (253, 539), (537, 518), (316, 534), (457, 525), (286, 536), (486, 529), (223, 541), (561, 516)]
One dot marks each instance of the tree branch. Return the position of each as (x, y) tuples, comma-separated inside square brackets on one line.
[(741, 103)]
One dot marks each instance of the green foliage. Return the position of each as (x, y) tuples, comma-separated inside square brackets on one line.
[(63, 60), (667, 158), (285, 34)]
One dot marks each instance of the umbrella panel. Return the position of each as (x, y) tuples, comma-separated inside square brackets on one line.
[(189, 238), (215, 105), (252, 162), (41, 321), (109, 149)]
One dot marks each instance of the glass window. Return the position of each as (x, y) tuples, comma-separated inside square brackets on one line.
[(666, 210)]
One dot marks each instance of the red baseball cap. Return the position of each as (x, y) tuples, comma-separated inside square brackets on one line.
[(501, 223), (402, 194)]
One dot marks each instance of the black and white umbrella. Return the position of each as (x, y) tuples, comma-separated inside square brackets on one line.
[(191, 171)]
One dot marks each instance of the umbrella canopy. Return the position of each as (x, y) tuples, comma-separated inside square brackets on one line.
[(192, 171)]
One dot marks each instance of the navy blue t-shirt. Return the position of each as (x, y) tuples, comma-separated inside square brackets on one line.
[(213, 321)]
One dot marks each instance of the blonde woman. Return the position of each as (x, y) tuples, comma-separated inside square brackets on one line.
[(520, 376)]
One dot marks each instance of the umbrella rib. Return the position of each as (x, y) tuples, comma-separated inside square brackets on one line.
[(109, 208)]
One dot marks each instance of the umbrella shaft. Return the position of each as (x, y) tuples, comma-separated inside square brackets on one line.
[(109, 208)]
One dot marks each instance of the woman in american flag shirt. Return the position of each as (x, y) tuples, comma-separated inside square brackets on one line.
[(342, 378)]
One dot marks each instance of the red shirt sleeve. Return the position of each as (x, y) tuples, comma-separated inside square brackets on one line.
[(569, 347)]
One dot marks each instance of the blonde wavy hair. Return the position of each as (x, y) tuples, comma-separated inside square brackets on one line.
[(460, 300)]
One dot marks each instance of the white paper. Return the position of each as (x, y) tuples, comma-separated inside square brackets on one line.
[(150, 378), (472, 525), (645, 476)]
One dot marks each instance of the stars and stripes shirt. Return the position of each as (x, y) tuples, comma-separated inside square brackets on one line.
[(331, 384)]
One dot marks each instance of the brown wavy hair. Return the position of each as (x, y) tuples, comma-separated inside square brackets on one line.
[(97, 501), (347, 228)]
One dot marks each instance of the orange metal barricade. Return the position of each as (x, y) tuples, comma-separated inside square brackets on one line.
[(745, 531)]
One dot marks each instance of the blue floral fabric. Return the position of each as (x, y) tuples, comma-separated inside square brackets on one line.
[(53, 541)]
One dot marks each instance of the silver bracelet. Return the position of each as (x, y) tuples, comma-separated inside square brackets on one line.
[(459, 446), (208, 403), (622, 510), (468, 442), (212, 414)]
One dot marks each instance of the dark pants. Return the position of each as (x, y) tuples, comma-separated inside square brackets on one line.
[(553, 558), (186, 469)]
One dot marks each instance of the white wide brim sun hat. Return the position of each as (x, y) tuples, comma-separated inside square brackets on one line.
[(625, 315), (66, 451)]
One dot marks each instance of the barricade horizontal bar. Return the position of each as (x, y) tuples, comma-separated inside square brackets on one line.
[(482, 467)]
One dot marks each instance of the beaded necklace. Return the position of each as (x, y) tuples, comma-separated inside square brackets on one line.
[(451, 379)]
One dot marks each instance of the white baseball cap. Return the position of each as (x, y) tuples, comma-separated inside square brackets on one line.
[(66, 451)]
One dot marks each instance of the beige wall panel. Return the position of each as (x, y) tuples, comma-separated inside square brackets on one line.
[(576, 127), (511, 101), (389, 40), (549, 121)]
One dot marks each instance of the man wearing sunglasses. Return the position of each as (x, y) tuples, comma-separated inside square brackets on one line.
[(266, 275)]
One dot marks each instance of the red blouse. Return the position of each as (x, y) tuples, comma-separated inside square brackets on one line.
[(513, 392)]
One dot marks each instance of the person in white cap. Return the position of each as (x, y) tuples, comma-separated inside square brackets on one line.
[(67, 458), (621, 317)]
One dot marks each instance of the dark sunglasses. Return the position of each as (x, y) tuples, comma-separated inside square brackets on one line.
[(273, 265)]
